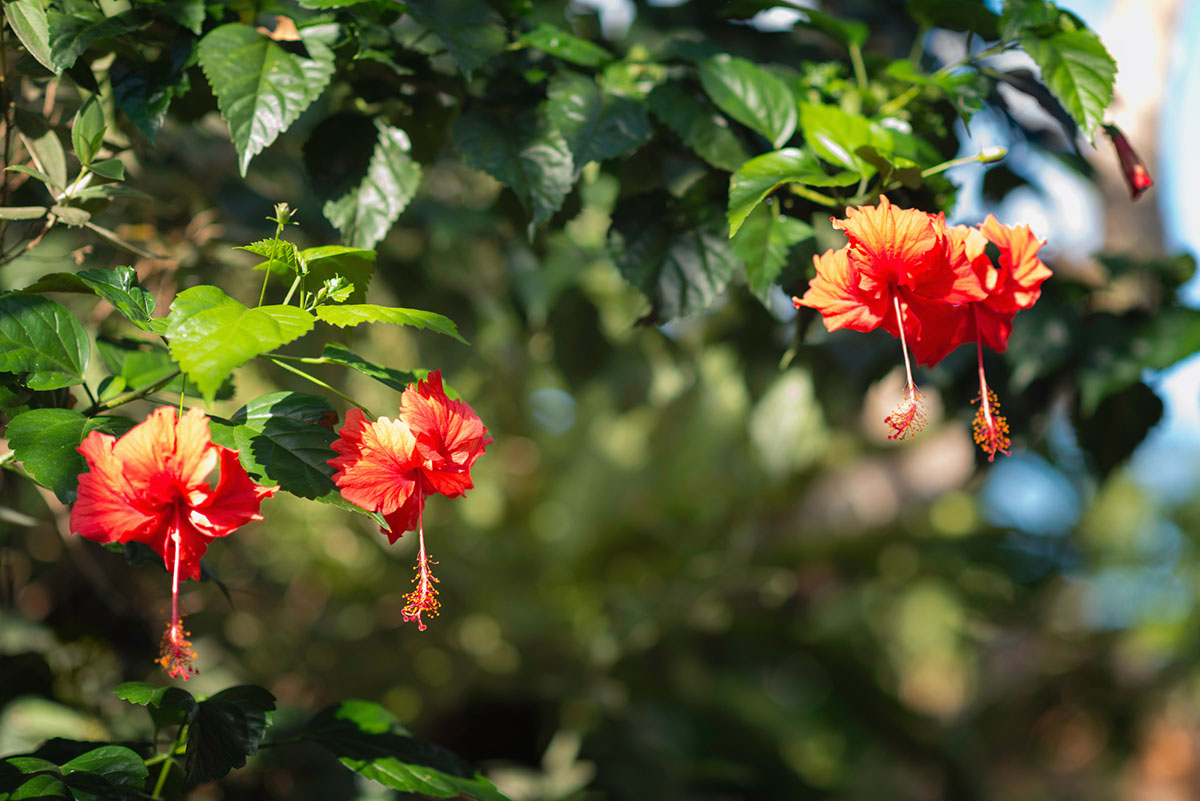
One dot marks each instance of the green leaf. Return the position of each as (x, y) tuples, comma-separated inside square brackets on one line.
[(119, 286), (358, 313), (683, 268), (555, 41), (28, 21), (957, 15), (111, 169), (849, 33), (751, 95), (527, 154), (139, 364), (225, 730), (282, 257), (39, 788), (71, 215), (1120, 422), (470, 29), (835, 135), (74, 32), (144, 89), (597, 125), (762, 175), (211, 334), (698, 123), (356, 265), (22, 212), (1028, 16), (763, 243), (44, 145), (261, 88), (87, 131), (1078, 71), (117, 764), (396, 379), (167, 706), (370, 741), (368, 211), (44, 441), (41, 338)]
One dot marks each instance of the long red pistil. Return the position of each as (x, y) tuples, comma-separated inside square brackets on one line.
[(176, 653), (909, 415), (423, 599), (990, 429)]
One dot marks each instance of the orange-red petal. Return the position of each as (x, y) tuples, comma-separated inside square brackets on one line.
[(834, 292)]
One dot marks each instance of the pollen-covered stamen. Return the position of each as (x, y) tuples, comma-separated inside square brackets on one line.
[(176, 655), (990, 429), (908, 417), (423, 599)]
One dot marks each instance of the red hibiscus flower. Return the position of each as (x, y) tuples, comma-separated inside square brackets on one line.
[(392, 466), (152, 486)]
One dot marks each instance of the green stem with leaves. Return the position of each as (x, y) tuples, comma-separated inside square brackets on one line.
[(132, 395), (169, 761)]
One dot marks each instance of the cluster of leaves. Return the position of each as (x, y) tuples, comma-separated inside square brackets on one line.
[(207, 738), (689, 127)]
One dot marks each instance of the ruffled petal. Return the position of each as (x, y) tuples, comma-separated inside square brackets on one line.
[(109, 508), (1021, 272), (835, 294), (406, 517), (377, 465), (888, 246), (450, 437), (234, 502)]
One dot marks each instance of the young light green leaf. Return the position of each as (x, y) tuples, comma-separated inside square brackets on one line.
[(44, 441), (28, 21), (367, 212), (470, 29), (356, 265), (119, 286), (835, 134), (351, 315), (211, 334), (282, 257), (596, 124), (762, 175), (555, 41), (698, 123), (261, 88), (87, 131), (527, 154), (370, 741), (751, 95), (1079, 72), (41, 338)]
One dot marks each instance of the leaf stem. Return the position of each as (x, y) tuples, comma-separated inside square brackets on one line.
[(292, 290), (815, 197), (132, 395), (860, 68), (281, 363)]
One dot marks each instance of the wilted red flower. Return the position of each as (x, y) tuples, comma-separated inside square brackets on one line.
[(391, 466), (152, 486), (1132, 166)]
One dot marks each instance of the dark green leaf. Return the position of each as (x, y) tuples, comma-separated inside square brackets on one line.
[(396, 379), (111, 169), (751, 95), (297, 407), (188, 13), (683, 269), (42, 338), (1028, 16), (567, 46), (168, 706), (527, 154), (1079, 72), (597, 125), (470, 29), (44, 145), (356, 314), (115, 763), (71, 215), (119, 286), (28, 21), (367, 212), (225, 730), (368, 739), (957, 15), (39, 788), (698, 123), (260, 87), (74, 32), (144, 89), (87, 131), (211, 334), (763, 243), (849, 33), (762, 175), (44, 441), (1122, 420)]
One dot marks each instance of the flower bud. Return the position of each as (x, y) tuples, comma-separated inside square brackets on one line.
[(1132, 166)]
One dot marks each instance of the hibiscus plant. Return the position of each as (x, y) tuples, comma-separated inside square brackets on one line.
[(729, 165)]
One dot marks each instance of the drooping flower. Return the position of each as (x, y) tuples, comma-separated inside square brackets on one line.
[(152, 486), (392, 466), (1132, 167)]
